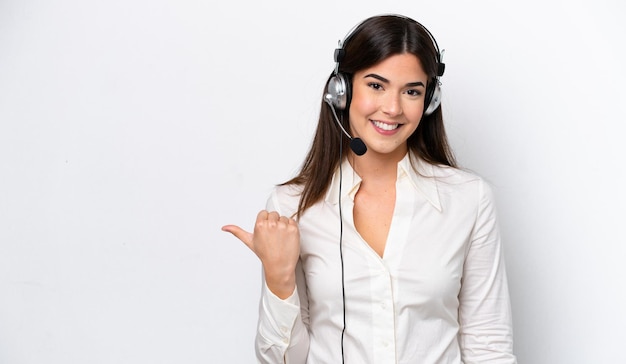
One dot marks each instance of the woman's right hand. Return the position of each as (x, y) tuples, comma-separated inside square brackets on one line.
[(276, 241)]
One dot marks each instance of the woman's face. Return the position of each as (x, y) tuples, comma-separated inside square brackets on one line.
[(388, 103)]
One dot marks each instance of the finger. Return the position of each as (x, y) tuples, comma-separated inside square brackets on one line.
[(240, 234), (273, 216), (262, 215)]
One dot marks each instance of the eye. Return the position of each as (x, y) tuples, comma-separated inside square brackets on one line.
[(375, 85), (414, 93)]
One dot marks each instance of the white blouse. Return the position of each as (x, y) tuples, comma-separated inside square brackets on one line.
[(438, 295)]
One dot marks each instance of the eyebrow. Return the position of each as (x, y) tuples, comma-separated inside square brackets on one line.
[(384, 80)]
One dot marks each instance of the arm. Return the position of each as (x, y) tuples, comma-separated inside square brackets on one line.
[(281, 336), (484, 313)]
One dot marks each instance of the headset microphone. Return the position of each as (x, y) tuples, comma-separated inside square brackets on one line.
[(356, 144)]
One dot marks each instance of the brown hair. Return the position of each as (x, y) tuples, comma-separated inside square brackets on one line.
[(374, 40)]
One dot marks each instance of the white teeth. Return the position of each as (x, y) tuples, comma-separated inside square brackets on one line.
[(385, 126)]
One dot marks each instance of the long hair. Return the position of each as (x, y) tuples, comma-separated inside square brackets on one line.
[(374, 40)]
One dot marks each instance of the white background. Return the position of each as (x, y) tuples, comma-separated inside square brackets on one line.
[(131, 131)]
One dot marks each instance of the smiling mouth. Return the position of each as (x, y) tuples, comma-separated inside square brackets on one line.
[(385, 126)]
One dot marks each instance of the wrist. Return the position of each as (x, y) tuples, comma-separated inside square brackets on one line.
[(281, 285)]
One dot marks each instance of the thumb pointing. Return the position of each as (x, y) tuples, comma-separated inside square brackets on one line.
[(240, 234)]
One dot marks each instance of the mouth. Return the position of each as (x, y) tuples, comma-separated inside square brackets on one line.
[(385, 126)]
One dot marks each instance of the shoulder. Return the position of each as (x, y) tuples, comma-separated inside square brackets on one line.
[(454, 174), (455, 185), (446, 174), (284, 199), (447, 187)]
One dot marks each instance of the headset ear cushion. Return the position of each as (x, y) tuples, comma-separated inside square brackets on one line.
[(339, 91), (433, 97)]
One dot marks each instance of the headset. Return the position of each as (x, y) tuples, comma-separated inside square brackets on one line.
[(339, 94)]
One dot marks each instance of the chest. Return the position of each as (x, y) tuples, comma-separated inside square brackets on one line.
[(372, 214), (423, 256)]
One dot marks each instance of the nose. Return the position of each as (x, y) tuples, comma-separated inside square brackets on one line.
[(391, 104)]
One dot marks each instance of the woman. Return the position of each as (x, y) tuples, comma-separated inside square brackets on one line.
[(381, 250)]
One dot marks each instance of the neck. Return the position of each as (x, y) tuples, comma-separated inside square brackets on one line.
[(375, 166)]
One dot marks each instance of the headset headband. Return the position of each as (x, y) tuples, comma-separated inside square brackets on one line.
[(340, 51)]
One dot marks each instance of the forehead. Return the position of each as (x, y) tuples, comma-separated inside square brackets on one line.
[(399, 66)]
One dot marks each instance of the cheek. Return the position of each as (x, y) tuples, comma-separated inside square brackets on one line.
[(361, 103), (413, 112), (412, 128)]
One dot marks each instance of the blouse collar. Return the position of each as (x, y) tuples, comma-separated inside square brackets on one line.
[(420, 173)]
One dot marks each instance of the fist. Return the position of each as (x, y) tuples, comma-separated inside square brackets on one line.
[(276, 241)]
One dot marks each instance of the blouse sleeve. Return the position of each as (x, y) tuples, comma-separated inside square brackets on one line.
[(282, 333), (486, 334)]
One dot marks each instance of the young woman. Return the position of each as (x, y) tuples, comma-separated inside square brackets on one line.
[(381, 250)]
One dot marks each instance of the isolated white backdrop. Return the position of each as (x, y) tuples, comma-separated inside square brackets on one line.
[(131, 131)]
